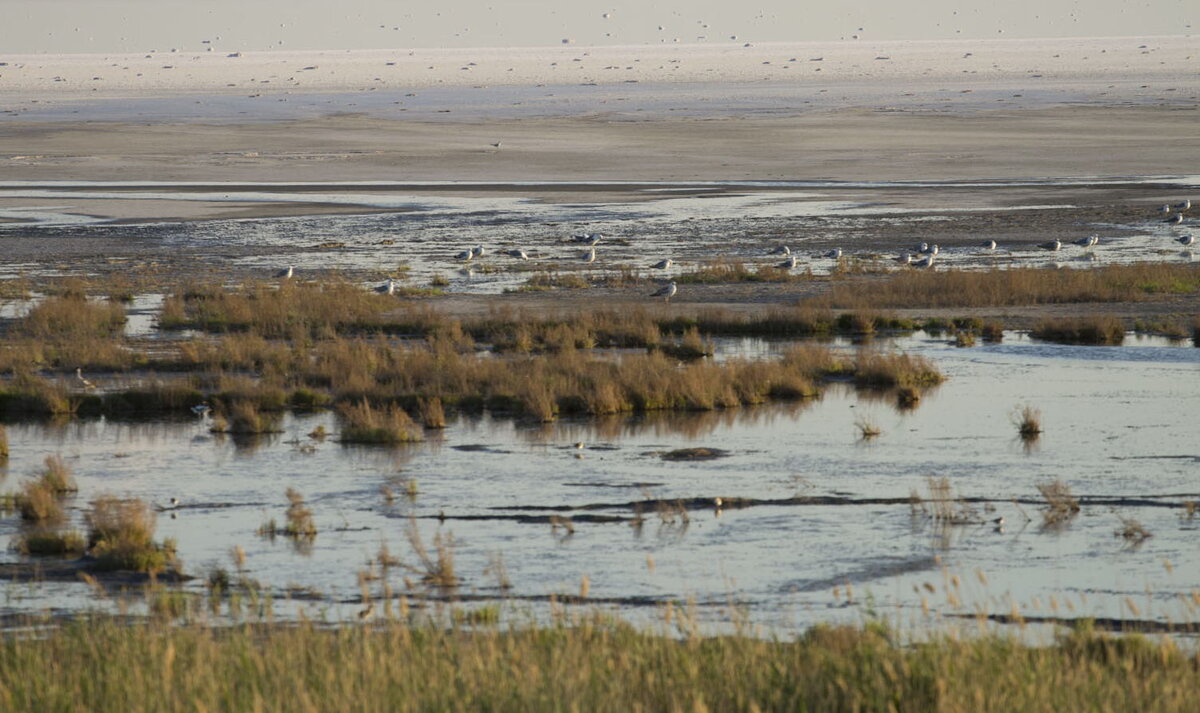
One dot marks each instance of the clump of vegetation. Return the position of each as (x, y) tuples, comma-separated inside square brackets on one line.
[(964, 339), (866, 427), (39, 499), (299, 517), (946, 508), (363, 424), (1081, 330), (1028, 420), (121, 537), (1132, 531), (875, 370), (28, 393), (724, 271), (992, 332), (3, 442), (72, 318), (690, 346), (1061, 505), (437, 567), (433, 415), (56, 476), (243, 418), (43, 541)]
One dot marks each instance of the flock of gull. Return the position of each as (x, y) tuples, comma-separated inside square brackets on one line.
[(922, 255)]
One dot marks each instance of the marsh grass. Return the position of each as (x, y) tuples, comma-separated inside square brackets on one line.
[(1131, 530), (992, 332), (1061, 506), (243, 418), (3, 442), (46, 542), (725, 271), (388, 425), (867, 428), (27, 393), (589, 662), (875, 370), (56, 476), (437, 567), (1013, 286), (72, 318), (1028, 420), (1081, 330), (121, 536), (945, 507), (300, 523)]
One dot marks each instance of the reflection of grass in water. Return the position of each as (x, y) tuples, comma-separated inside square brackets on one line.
[(589, 661)]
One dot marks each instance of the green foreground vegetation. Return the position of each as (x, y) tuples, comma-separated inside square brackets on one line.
[(593, 664)]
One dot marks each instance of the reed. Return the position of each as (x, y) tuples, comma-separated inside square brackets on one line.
[(1028, 421), (875, 370), (121, 537), (3, 442), (45, 542), (72, 318), (363, 424), (595, 662), (1081, 330), (1014, 286), (300, 521)]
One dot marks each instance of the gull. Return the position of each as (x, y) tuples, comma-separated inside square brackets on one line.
[(83, 381), (781, 250), (788, 264), (1175, 219), (518, 254), (1185, 205), (201, 409), (1087, 242), (1055, 244), (663, 264), (388, 288), (589, 256), (1164, 208), (285, 274), (589, 239), (667, 291), (1187, 240), (834, 254), (926, 261), (921, 248), (930, 249), (465, 255), (988, 245), (904, 259), (174, 502), (477, 251), (496, 145)]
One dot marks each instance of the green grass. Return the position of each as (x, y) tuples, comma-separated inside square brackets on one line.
[(591, 663)]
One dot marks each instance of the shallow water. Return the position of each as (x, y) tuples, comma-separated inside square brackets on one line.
[(1119, 421)]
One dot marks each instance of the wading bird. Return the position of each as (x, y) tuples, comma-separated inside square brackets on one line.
[(388, 288), (83, 381), (904, 259), (285, 274), (663, 264), (201, 409), (1186, 240), (1055, 244), (988, 245)]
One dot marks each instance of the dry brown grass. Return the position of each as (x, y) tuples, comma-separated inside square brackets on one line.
[(121, 536), (1028, 421), (3, 442), (1015, 286), (876, 370), (1081, 330), (1061, 505), (437, 567), (363, 424)]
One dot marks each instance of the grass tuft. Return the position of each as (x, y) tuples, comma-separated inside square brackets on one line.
[(121, 536)]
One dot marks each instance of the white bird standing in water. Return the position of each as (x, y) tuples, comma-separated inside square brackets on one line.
[(667, 291), (285, 274), (518, 254), (83, 381), (1186, 240), (465, 255), (988, 245), (388, 288), (1185, 205), (664, 264), (1053, 245)]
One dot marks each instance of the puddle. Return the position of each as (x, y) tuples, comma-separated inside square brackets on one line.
[(1118, 421)]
